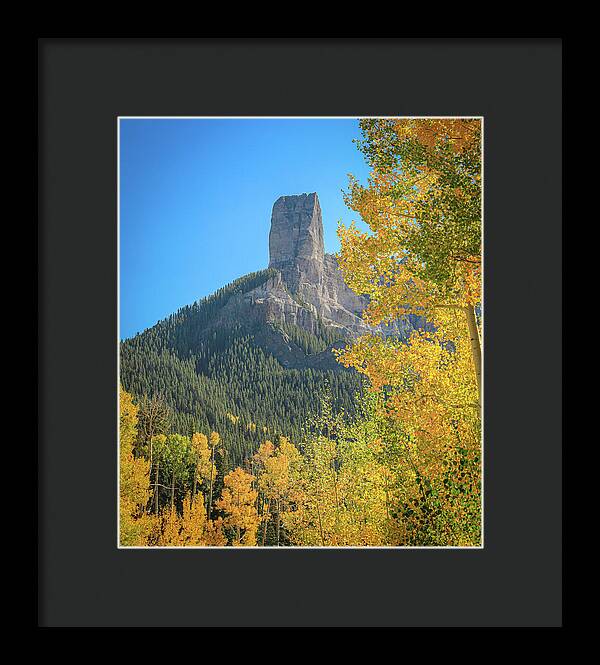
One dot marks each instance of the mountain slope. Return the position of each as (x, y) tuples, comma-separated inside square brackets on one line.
[(228, 378), (253, 360)]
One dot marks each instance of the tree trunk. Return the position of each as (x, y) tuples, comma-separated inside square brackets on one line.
[(212, 463), (475, 346), (320, 525), (195, 481), (156, 488), (335, 491), (278, 521), (265, 522), (387, 499), (173, 490)]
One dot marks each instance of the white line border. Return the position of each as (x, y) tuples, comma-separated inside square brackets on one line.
[(398, 548)]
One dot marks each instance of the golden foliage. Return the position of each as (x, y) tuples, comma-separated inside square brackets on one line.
[(205, 467), (422, 256), (191, 528), (459, 132), (423, 210), (238, 503), (134, 524)]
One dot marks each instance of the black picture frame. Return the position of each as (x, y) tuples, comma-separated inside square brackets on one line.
[(83, 86)]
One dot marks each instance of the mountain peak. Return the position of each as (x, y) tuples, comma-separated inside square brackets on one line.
[(309, 289), (296, 234)]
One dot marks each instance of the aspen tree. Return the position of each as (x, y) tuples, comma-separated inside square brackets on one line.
[(422, 205), (154, 418), (158, 445), (214, 440), (134, 474), (238, 503), (265, 451), (204, 467), (193, 522), (276, 479)]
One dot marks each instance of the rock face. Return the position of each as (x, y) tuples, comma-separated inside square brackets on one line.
[(306, 289), (310, 285), (296, 238)]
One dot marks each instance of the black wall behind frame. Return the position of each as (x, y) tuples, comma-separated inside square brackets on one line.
[(84, 580)]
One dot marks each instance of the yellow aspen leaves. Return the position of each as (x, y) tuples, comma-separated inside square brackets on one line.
[(134, 474), (421, 256), (205, 468), (238, 503), (423, 209)]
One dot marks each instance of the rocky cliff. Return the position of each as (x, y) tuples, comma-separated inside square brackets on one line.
[(306, 287)]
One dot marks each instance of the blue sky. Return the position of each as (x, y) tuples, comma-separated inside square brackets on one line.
[(197, 195)]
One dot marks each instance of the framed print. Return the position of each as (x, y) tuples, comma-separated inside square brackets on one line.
[(285, 337), (279, 411)]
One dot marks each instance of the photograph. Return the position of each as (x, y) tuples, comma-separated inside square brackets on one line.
[(300, 332)]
